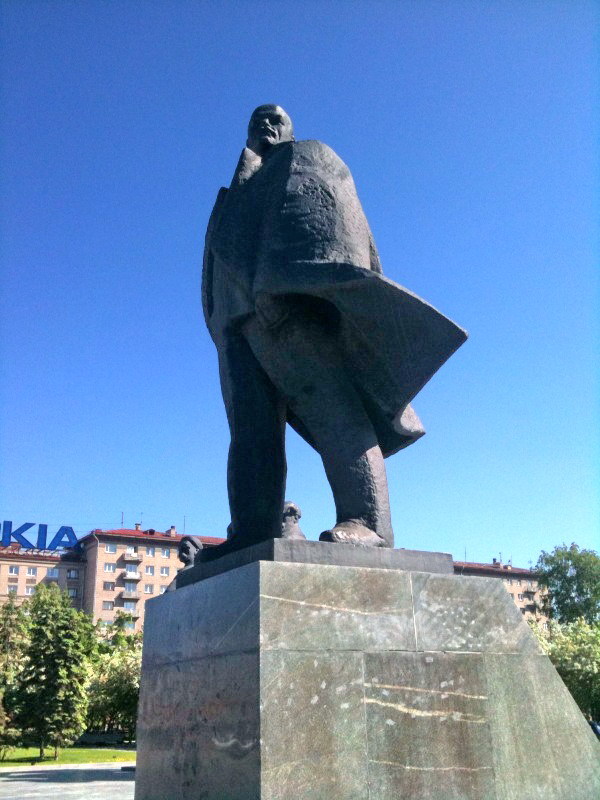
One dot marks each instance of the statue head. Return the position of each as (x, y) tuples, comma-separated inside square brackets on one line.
[(290, 529), (291, 512), (188, 547), (269, 125)]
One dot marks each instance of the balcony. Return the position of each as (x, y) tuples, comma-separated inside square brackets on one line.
[(132, 576), (132, 558), (125, 595), (131, 612)]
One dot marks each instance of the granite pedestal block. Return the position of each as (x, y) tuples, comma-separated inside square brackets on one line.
[(292, 681)]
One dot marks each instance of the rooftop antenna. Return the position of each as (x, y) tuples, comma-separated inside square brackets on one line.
[(500, 554), (122, 519), (141, 519)]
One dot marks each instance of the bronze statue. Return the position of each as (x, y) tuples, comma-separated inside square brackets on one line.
[(310, 332)]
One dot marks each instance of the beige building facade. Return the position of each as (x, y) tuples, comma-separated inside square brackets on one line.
[(111, 571), (21, 570)]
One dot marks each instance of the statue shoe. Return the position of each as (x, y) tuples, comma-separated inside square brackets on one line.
[(351, 532)]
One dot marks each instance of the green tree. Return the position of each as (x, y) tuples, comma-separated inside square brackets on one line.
[(114, 689), (14, 625), (9, 736), (51, 698), (571, 578), (574, 649)]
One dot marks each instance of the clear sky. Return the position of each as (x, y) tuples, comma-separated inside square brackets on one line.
[(471, 130)]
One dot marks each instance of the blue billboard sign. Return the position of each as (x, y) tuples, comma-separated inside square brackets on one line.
[(64, 537)]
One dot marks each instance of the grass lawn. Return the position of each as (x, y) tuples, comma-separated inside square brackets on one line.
[(21, 756)]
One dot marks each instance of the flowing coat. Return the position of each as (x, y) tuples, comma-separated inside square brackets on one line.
[(292, 225)]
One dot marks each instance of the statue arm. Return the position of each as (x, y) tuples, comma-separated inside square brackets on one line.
[(207, 261)]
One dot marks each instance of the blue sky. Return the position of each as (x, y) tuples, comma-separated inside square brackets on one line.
[(471, 131)]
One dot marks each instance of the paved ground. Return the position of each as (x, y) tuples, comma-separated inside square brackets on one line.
[(75, 782)]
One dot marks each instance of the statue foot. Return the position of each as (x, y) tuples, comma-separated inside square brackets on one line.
[(351, 532)]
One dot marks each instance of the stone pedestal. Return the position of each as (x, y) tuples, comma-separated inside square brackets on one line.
[(292, 681)]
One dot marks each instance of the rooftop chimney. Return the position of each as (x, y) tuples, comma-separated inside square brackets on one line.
[(138, 526), (172, 531)]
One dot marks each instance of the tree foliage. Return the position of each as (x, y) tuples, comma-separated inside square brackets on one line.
[(571, 578), (14, 625), (114, 689), (9, 735), (574, 649), (51, 698)]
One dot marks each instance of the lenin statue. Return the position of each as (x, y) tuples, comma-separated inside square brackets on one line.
[(309, 331)]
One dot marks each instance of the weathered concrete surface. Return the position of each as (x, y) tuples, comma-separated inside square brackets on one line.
[(215, 560), (287, 680)]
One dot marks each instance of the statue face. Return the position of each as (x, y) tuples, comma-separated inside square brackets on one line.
[(186, 553), (268, 126), (290, 511)]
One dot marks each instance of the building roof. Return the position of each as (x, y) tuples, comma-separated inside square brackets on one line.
[(494, 568), (28, 554), (149, 535)]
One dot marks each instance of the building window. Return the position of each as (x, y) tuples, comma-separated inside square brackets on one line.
[(12, 570), (163, 589), (131, 569), (131, 550), (164, 570), (150, 551), (130, 586), (30, 590), (149, 570), (108, 586), (129, 605), (12, 589), (148, 588), (72, 591), (107, 605), (130, 626), (106, 622), (52, 572), (32, 570), (166, 552), (72, 574), (109, 567), (110, 548)]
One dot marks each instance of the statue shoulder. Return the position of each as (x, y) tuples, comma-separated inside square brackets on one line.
[(312, 150)]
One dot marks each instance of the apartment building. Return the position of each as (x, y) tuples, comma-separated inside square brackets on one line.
[(520, 583), (125, 567), (21, 570), (110, 570)]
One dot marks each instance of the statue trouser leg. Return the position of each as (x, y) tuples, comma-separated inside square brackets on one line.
[(256, 467), (302, 360)]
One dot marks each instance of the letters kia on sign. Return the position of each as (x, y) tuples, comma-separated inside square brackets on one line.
[(64, 537)]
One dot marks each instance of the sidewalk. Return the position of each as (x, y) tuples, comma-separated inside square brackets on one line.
[(68, 782)]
